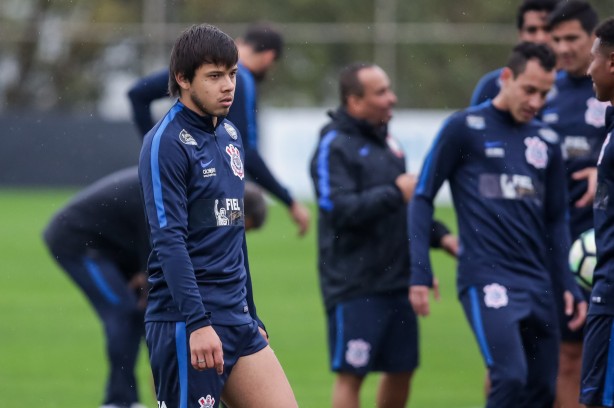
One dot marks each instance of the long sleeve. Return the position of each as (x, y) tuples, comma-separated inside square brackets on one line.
[(142, 94), (557, 224), (438, 166), (248, 286)]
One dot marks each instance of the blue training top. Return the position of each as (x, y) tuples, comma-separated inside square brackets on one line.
[(192, 178), (508, 187), (579, 119), (602, 296)]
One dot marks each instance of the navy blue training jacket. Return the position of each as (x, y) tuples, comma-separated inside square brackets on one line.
[(509, 192), (192, 178), (106, 216)]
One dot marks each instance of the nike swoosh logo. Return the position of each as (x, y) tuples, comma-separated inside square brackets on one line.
[(585, 390), (203, 165)]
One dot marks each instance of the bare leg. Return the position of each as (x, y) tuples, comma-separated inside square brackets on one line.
[(258, 381), (393, 390), (346, 391), (568, 380)]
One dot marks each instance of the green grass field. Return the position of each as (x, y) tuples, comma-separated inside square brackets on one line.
[(51, 344)]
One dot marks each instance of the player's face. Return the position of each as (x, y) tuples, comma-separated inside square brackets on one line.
[(376, 103), (525, 95), (572, 46), (535, 28), (601, 71), (211, 91)]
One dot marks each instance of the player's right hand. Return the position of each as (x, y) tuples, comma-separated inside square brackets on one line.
[(206, 350), (590, 175), (575, 308), (300, 216), (407, 184), (419, 297)]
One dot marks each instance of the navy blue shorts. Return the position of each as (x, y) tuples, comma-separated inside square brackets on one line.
[(597, 386), (376, 333), (178, 384), (519, 340)]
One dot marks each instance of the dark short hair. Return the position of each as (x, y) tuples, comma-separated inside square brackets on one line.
[(349, 84), (198, 45), (533, 5), (574, 10), (605, 33), (264, 37), (254, 205), (526, 51)]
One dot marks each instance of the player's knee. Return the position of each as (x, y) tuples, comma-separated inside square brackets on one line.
[(348, 381)]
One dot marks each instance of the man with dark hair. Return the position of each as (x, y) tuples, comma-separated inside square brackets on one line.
[(359, 175), (205, 340), (259, 48), (597, 388), (578, 118), (531, 22), (507, 180)]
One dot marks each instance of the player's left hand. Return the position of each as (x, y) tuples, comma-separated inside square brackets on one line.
[(300, 216), (590, 175), (419, 297), (138, 284), (577, 310), (449, 243)]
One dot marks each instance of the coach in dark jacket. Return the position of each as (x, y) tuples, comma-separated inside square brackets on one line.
[(362, 188)]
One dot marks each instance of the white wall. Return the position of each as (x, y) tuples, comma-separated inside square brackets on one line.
[(288, 138)]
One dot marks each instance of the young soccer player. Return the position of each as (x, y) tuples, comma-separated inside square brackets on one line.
[(202, 332)]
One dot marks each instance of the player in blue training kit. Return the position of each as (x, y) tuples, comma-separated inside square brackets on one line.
[(597, 387), (578, 118), (531, 22), (201, 326), (507, 179), (100, 239), (259, 48)]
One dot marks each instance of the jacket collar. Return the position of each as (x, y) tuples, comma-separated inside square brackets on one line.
[(609, 118), (346, 122), (201, 122)]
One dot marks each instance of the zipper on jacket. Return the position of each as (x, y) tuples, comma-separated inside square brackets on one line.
[(220, 150)]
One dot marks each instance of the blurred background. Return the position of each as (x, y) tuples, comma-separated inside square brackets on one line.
[(65, 121), (65, 67)]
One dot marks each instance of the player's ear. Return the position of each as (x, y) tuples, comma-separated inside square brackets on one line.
[(610, 60), (506, 74), (182, 81)]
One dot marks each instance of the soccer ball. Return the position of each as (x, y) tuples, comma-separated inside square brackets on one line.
[(583, 257)]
